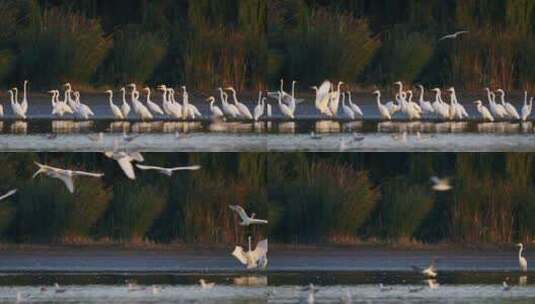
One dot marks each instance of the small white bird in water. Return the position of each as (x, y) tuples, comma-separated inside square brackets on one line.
[(134, 287), (311, 293), (440, 184), (8, 194), (522, 262), (58, 289), (505, 286), (246, 219), (253, 259), (384, 288), (206, 285), (430, 271), (66, 176), (168, 171)]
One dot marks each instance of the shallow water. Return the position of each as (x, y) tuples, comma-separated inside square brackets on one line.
[(101, 275)]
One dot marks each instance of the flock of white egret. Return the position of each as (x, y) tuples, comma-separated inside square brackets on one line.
[(331, 101)]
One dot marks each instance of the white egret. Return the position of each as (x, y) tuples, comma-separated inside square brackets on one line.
[(383, 111), (125, 159), (252, 258), (228, 109), (66, 176), (83, 110), (151, 105), (440, 184), (259, 109), (168, 171), (522, 262), (115, 110), (8, 194), (206, 285), (246, 219), (216, 111), (311, 294), (356, 109), (244, 111), (527, 107), (497, 110), (505, 286), (453, 36), (175, 108), (58, 289), (285, 110), (432, 284), (511, 110), (335, 99), (461, 111), (425, 105), (125, 107), (430, 271), (346, 109), (485, 113), (322, 98), (15, 106), (24, 103)]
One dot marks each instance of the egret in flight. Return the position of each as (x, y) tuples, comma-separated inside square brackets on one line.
[(246, 219), (125, 159), (168, 171), (66, 176), (453, 36), (252, 258), (440, 184), (8, 194), (430, 271), (522, 262)]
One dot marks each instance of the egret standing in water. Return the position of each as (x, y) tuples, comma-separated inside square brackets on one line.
[(485, 113), (115, 110), (252, 258), (522, 262)]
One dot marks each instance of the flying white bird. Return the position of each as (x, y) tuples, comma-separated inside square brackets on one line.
[(430, 271), (454, 35), (168, 171), (125, 159), (246, 220), (66, 176), (522, 262), (8, 194), (253, 258), (440, 184)]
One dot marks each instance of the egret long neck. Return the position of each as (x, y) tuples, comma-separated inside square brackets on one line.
[(520, 251), (293, 89), (24, 96)]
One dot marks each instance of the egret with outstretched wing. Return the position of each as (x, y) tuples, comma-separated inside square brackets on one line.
[(168, 171), (246, 219)]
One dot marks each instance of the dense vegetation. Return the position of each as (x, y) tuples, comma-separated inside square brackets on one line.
[(252, 43), (307, 197)]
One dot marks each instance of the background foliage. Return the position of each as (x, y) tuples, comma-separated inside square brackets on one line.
[(307, 198), (251, 44)]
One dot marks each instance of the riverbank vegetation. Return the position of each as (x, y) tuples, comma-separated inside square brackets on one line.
[(308, 198), (252, 44)]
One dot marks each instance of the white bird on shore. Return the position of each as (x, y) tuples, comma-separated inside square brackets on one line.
[(125, 159), (125, 107), (383, 111), (216, 111), (430, 271), (83, 110), (356, 109), (527, 107), (453, 36), (511, 110), (348, 112), (252, 258), (285, 110), (66, 176), (206, 285), (244, 111), (168, 171), (522, 262), (425, 105), (115, 110), (151, 105), (8, 194), (230, 110), (24, 103), (259, 109), (440, 184), (485, 113), (15, 106), (246, 219), (323, 96)]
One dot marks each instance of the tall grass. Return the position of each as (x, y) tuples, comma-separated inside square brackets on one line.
[(63, 46), (326, 44), (134, 57)]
